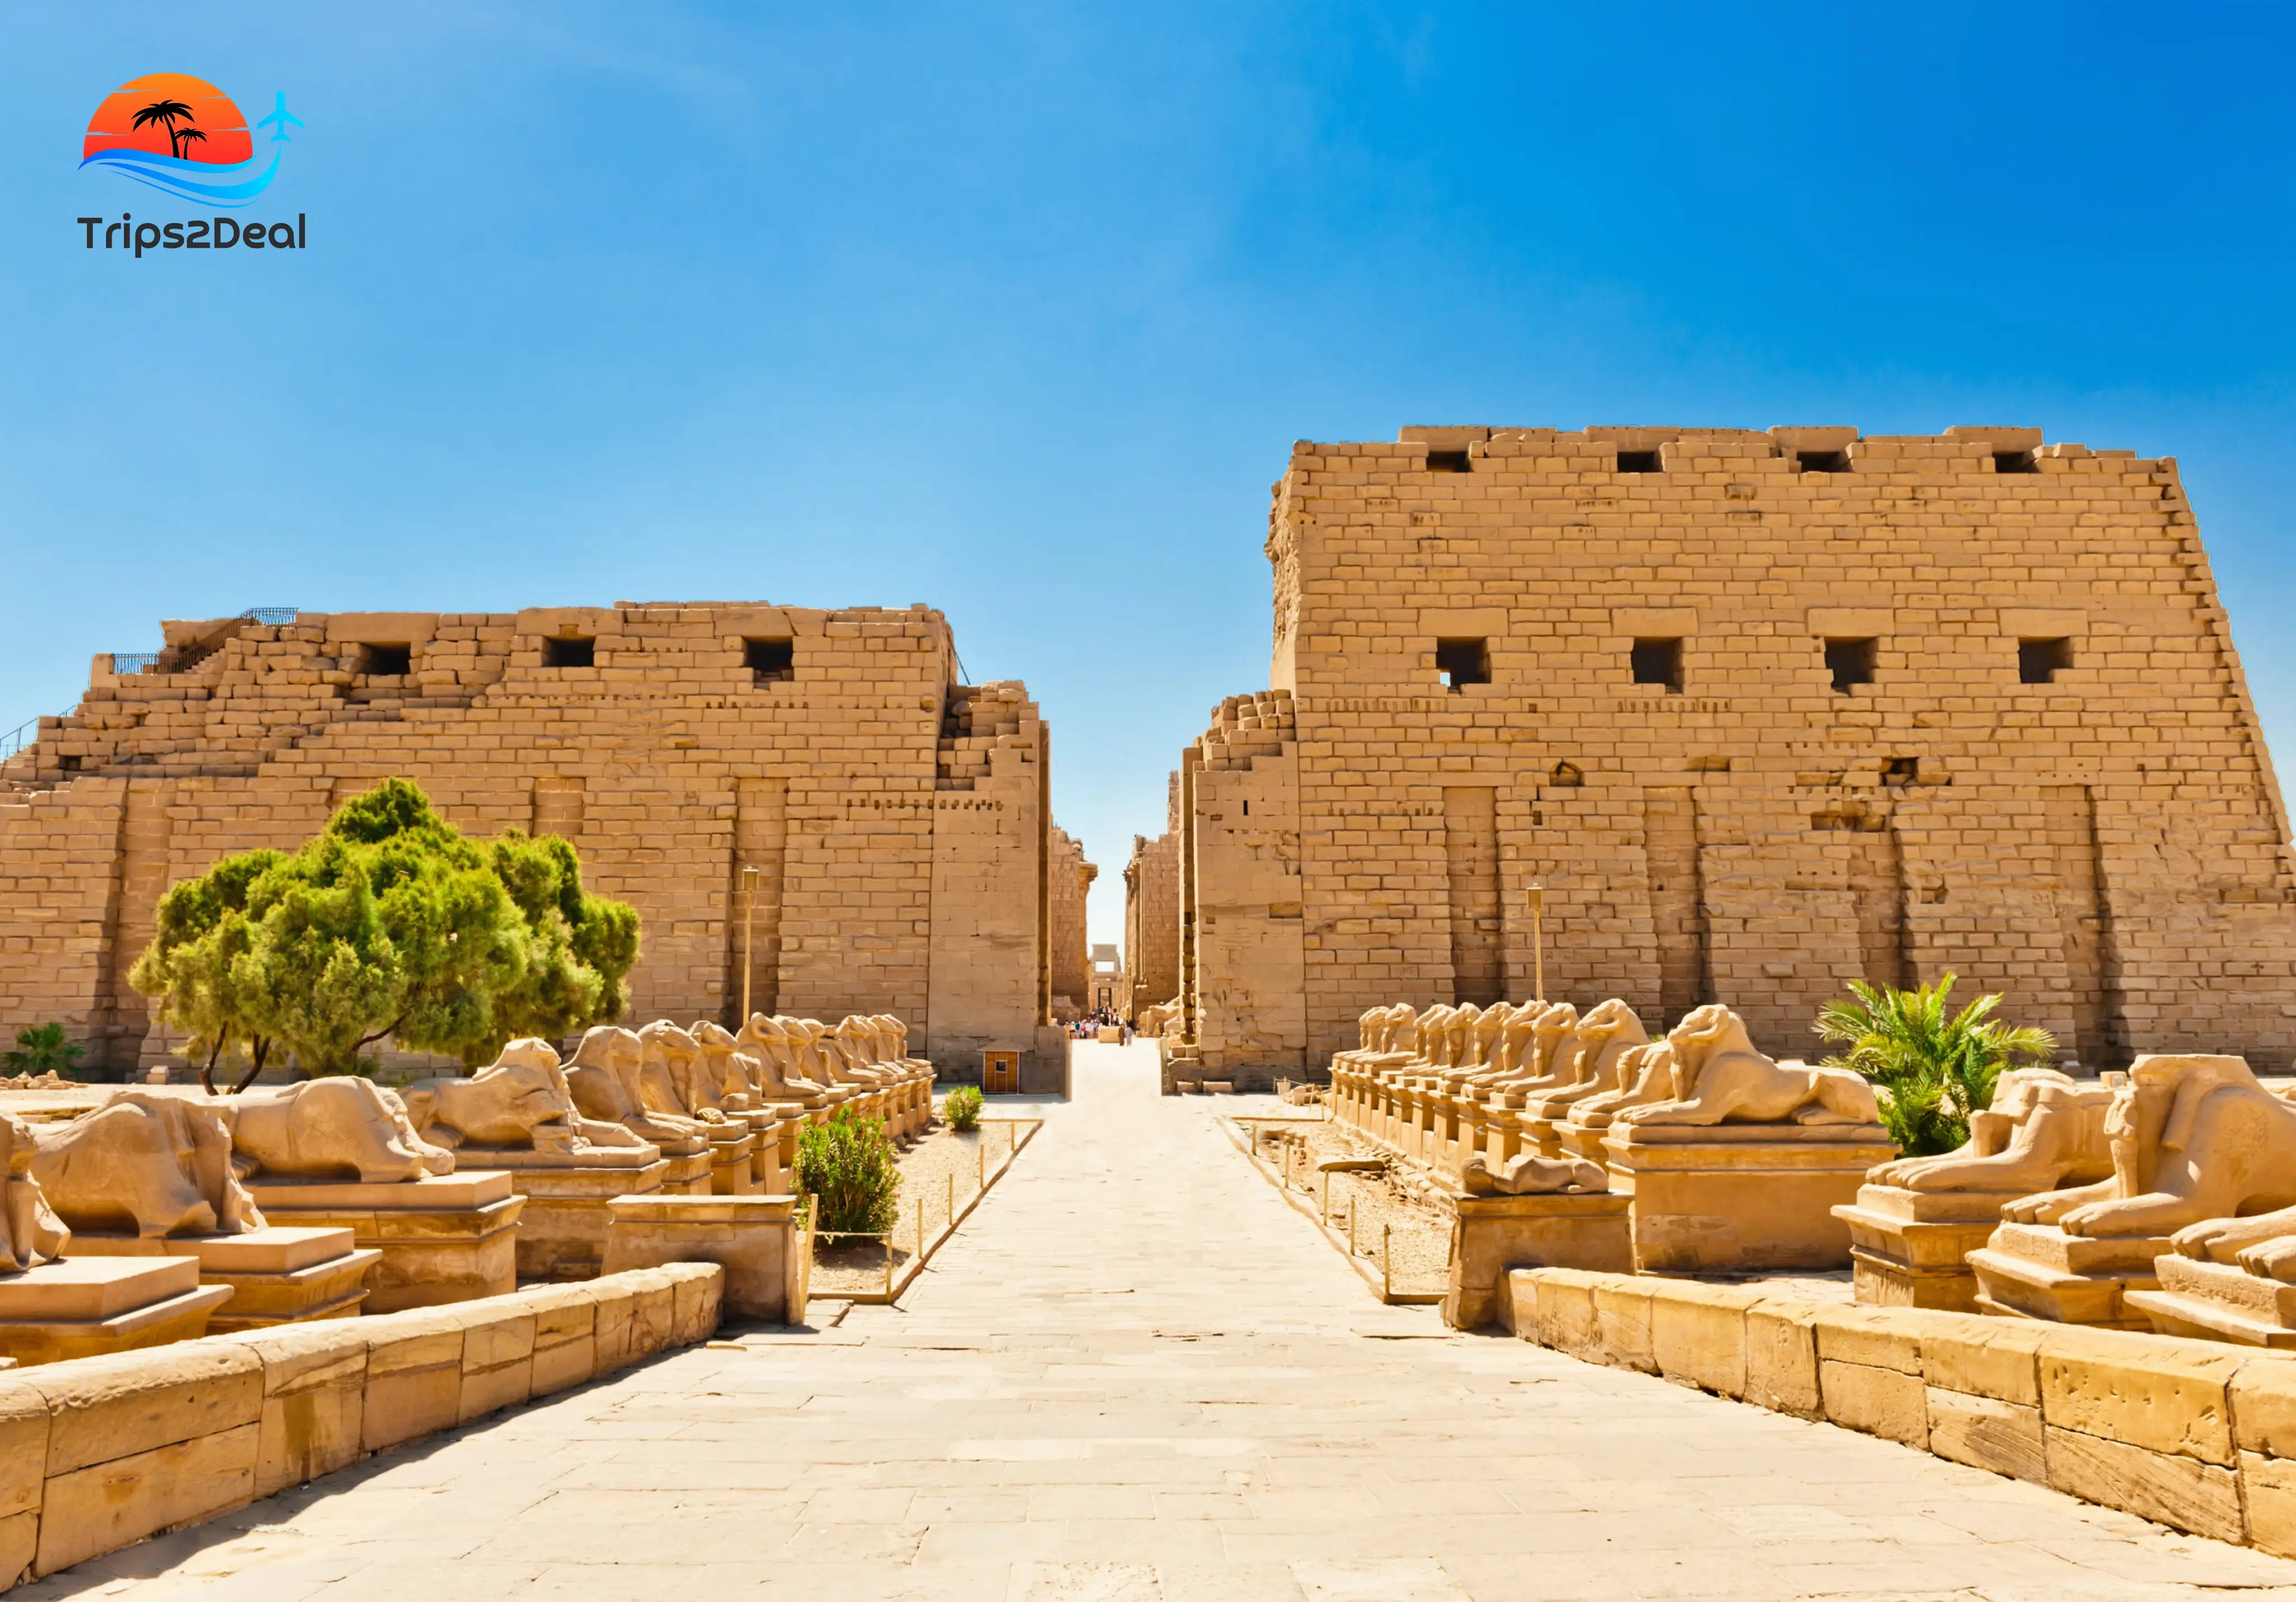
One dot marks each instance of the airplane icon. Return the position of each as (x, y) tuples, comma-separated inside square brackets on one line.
[(282, 120)]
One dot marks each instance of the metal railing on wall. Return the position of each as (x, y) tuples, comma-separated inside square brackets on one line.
[(140, 661)]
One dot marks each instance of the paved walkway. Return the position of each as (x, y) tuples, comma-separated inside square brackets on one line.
[(1136, 1374)]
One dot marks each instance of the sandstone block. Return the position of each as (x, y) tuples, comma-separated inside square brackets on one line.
[(1873, 1337), (1698, 1335), (415, 1378), (1998, 1358), (2168, 1489), (1622, 1315), (1888, 1402), (23, 1446), (104, 1408), (2263, 1397), (20, 1540), (1987, 1433), (497, 1356), (1567, 1319), (2150, 1391), (1782, 1371), (109, 1505), (565, 1338), (314, 1400), (2268, 1495)]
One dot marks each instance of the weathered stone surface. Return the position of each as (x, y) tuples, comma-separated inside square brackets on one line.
[(2152, 1392), (1782, 1370), (1888, 1402), (1698, 1334), (108, 1505), (106, 1407), (1987, 1433), (2172, 1489)]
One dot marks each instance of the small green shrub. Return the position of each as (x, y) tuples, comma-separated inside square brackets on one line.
[(43, 1051), (963, 1109), (847, 1165), (1931, 1068)]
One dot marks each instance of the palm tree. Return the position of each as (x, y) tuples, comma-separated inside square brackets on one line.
[(42, 1048), (164, 111), (1934, 1071), (187, 135)]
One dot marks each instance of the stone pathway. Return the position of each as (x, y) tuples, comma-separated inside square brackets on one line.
[(1136, 1375)]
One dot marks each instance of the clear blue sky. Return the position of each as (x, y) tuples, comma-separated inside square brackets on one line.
[(1017, 310)]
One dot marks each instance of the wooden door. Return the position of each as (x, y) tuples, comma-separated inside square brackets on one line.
[(1000, 1072)]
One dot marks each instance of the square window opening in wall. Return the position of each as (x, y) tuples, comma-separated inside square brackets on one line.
[(772, 661), (569, 653), (1639, 461), (1447, 461), (1850, 662), (1659, 662), (1822, 461), (2039, 661), (2014, 461), (1462, 662), (386, 662)]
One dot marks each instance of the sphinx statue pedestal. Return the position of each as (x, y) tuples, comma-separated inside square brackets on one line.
[(1490, 1235), (561, 1235), (278, 1275), (684, 1173), (733, 1159), (88, 1306), (445, 1237), (2038, 1271), (1726, 1197), (1911, 1247), (2218, 1302)]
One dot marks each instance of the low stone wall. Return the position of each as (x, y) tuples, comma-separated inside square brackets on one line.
[(2192, 1433), (96, 1453)]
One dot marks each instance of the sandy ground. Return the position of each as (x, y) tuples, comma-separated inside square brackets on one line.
[(940, 1167), (1415, 1237)]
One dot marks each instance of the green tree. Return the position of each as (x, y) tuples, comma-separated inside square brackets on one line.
[(42, 1048), (390, 924), (167, 112), (1931, 1070)]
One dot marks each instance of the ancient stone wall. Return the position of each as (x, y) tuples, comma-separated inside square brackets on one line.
[(1765, 712), (1152, 919), (898, 819), (1069, 883)]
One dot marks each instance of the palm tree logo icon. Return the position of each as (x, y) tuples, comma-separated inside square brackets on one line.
[(167, 113)]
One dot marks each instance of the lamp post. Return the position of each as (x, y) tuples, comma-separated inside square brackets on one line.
[(749, 935), (1538, 941)]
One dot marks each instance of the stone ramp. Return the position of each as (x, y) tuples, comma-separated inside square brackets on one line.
[(1135, 1374)]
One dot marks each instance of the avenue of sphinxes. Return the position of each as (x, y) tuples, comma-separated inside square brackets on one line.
[(1764, 712)]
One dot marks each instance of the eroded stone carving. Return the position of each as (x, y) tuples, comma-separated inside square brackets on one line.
[(521, 1102), (147, 1165), (1719, 1078), (31, 1232), (2044, 1130), (342, 1128), (607, 1084), (1528, 1173), (2193, 1140)]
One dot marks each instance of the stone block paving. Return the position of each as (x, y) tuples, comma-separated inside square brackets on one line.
[(1138, 1376)]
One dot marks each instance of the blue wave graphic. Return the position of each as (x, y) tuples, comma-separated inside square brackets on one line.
[(176, 176)]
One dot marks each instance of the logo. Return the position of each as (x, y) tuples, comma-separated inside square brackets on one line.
[(182, 135)]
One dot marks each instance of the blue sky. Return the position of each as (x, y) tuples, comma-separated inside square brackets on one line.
[(1017, 310)]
